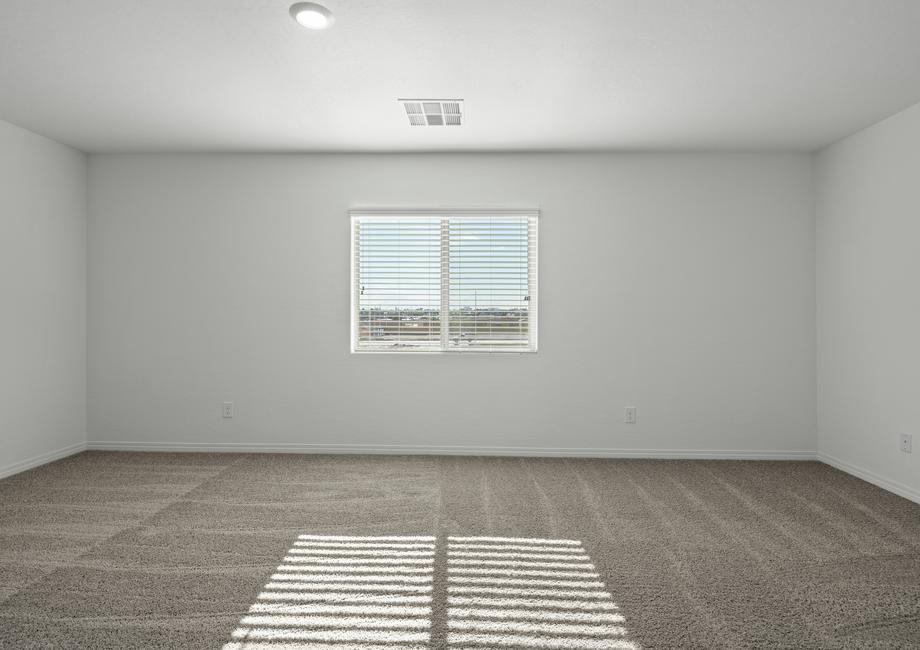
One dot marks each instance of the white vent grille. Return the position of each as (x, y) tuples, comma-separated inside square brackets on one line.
[(433, 112)]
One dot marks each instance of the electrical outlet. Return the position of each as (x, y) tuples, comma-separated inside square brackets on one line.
[(907, 443), (630, 415), (228, 409)]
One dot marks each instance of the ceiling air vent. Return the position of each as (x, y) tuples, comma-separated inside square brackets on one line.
[(433, 112)]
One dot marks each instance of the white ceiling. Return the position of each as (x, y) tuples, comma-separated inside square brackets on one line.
[(240, 75)]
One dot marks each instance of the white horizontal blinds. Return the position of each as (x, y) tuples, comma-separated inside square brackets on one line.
[(445, 282), (492, 272), (397, 283)]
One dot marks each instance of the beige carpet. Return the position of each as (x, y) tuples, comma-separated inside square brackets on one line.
[(133, 550)]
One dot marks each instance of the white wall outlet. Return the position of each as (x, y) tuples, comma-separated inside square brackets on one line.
[(228, 409), (630, 415), (907, 443)]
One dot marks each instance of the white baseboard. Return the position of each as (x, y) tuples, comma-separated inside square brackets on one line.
[(452, 450), (886, 484), (572, 452), (41, 459)]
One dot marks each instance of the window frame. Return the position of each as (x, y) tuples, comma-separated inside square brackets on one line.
[(533, 282)]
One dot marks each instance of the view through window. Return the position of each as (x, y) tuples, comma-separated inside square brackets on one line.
[(446, 282)]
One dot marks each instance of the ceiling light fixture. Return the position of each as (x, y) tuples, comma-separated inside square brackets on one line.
[(312, 15)]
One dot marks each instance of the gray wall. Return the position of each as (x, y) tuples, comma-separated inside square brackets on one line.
[(868, 275), (42, 299), (681, 284)]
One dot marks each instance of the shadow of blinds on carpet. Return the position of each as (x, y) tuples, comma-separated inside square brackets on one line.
[(376, 592)]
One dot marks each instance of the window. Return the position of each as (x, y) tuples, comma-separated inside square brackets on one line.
[(444, 281)]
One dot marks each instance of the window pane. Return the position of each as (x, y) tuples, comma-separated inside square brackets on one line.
[(489, 282), (398, 275)]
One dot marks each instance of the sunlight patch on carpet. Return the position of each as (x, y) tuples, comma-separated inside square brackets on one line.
[(344, 593), (543, 594), (376, 593)]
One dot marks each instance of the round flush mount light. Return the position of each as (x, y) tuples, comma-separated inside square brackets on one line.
[(312, 15)]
